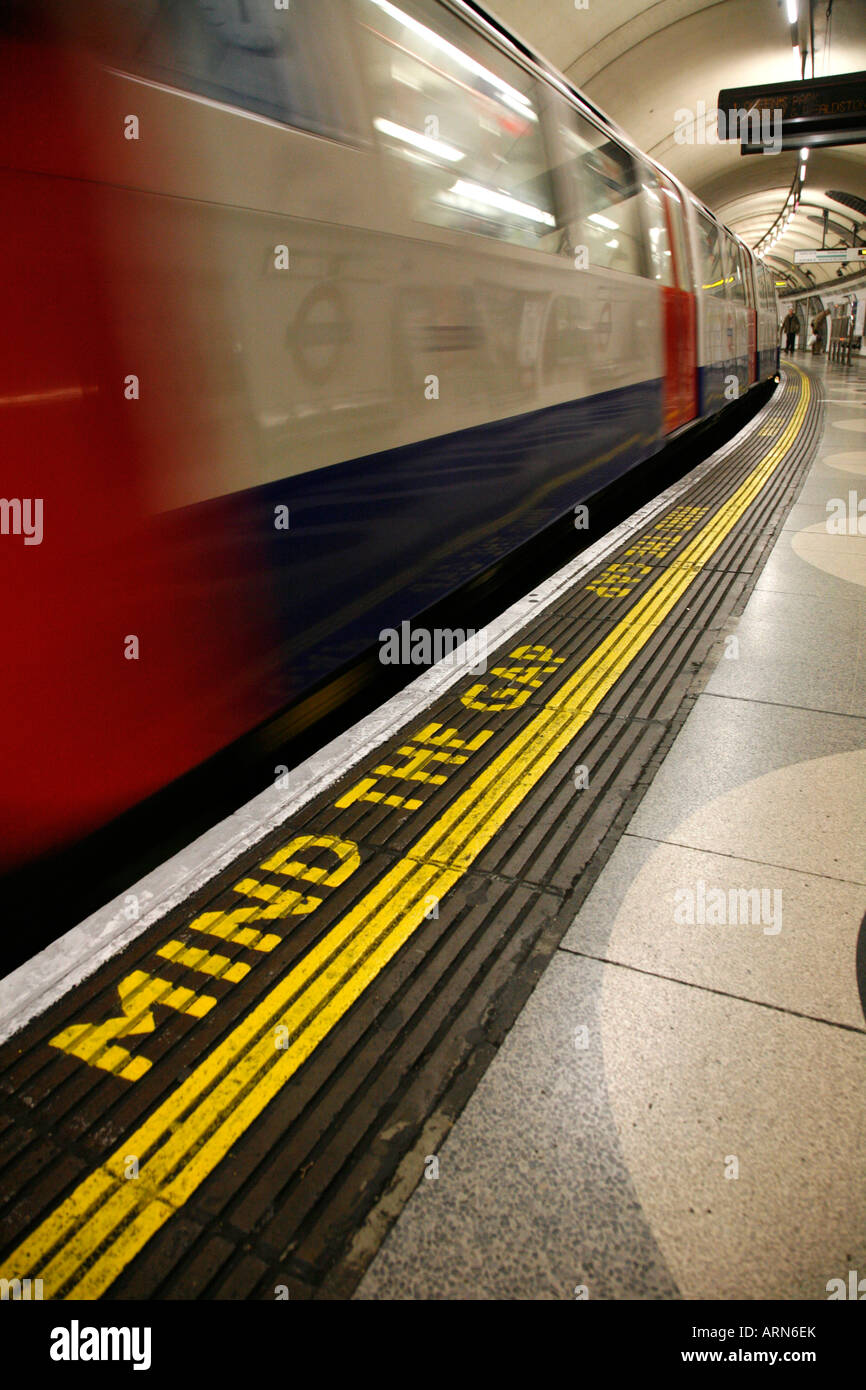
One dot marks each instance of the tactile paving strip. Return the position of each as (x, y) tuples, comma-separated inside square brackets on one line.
[(244, 1097)]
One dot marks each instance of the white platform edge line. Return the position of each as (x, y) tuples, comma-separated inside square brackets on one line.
[(37, 984)]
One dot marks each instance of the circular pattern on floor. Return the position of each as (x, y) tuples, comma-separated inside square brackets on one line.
[(856, 425), (844, 557), (852, 461), (697, 1078)]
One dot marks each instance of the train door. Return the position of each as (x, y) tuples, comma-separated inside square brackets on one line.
[(746, 262), (777, 321), (763, 319), (768, 328), (475, 259), (737, 332), (671, 268), (620, 335), (771, 345), (716, 346)]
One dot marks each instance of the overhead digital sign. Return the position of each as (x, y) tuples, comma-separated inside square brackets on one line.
[(817, 111)]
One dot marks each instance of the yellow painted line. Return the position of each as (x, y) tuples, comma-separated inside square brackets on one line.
[(81, 1248)]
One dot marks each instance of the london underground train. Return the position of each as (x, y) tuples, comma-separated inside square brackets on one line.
[(312, 311)]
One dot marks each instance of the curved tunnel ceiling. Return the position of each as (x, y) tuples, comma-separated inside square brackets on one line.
[(649, 64)]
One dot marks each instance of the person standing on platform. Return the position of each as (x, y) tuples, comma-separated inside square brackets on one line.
[(819, 329), (790, 328)]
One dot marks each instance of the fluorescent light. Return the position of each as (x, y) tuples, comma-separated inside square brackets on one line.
[(614, 243), (802, 173), (792, 11), (491, 197), (804, 153), (602, 221), (421, 142)]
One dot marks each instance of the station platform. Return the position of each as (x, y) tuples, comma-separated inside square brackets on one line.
[(466, 1015)]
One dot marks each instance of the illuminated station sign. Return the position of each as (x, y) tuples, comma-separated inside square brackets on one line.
[(788, 115), (843, 253)]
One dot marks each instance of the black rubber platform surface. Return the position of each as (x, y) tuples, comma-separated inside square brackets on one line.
[(243, 1099)]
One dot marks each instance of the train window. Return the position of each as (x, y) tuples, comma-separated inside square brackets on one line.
[(462, 119), (661, 257), (766, 289), (745, 275), (608, 196), (712, 272), (748, 281), (734, 276), (247, 53)]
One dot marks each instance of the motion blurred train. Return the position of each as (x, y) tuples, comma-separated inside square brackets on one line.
[(312, 311)]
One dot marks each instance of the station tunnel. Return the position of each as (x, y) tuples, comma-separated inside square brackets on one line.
[(433, 717)]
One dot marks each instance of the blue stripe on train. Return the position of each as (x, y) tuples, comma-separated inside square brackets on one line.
[(378, 539), (714, 379), (711, 386)]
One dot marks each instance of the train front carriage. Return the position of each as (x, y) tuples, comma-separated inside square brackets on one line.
[(346, 301)]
